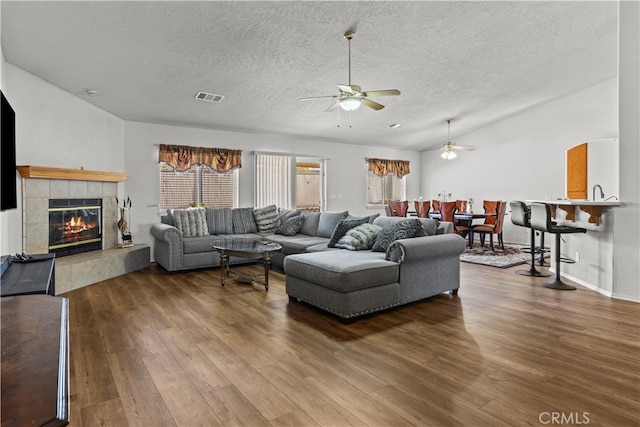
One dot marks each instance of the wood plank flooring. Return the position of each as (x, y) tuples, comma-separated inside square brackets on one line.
[(156, 349)]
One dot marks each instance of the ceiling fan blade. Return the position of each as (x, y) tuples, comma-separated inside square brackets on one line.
[(312, 98), (386, 92), (372, 104), (350, 89), (464, 147), (333, 107)]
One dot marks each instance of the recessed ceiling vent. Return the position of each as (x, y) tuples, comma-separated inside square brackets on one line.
[(209, 97)]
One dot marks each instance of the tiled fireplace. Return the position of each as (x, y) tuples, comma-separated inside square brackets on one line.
[(37, 194), (84, 209)]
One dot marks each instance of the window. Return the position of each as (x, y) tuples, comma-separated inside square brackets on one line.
[(198, 176), (381, 189), (197, 187), (289, 182), (386, 181)]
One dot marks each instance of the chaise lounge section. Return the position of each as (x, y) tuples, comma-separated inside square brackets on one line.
[(353, 283)]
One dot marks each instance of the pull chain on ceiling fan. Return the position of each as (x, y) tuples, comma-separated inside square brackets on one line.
[(351, 96)]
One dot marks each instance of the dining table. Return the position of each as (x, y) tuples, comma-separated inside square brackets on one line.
[(464, 218)]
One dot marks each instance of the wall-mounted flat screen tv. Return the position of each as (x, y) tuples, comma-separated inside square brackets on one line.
[(8, 193)]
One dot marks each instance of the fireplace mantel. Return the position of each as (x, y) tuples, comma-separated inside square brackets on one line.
[(45, 172)]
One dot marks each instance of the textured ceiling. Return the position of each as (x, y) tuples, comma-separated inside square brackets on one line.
[(476, 62)]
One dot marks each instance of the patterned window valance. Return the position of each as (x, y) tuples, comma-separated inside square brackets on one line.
[(382, 167), (182, 158)]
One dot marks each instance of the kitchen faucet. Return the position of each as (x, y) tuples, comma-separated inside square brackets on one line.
[(594, 192)]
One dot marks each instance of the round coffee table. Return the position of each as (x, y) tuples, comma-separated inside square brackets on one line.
[(244, 248)]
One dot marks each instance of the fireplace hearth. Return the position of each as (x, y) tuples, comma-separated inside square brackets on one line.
[(75, 226)]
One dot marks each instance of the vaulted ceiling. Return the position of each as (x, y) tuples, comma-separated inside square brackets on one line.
[(476, 62)]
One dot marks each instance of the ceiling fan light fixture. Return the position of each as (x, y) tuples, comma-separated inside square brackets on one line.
[(350, 104), (449, 154)]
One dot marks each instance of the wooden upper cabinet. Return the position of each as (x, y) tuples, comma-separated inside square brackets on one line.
[(577, 172)]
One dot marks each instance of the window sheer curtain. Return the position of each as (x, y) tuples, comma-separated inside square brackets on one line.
[(275, 181)]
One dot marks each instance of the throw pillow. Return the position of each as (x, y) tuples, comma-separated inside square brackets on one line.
[(370, 218), (310, 226), (192, 222), (328, 222), (220, 220), (243, 222), (285, 214), (359, 238), (291, 227), (429, 227), (267, 218), (342, 228), (398, 230)]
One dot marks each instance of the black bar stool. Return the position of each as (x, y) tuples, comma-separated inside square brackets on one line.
[(520, 214), (541, 220)]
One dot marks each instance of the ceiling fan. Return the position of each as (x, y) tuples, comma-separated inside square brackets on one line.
[(351, 96), (449, 148)]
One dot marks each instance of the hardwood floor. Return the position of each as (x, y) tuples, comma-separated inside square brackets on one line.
[(157, 349)]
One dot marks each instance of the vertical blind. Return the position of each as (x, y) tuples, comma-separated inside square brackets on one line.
[(275, 180)]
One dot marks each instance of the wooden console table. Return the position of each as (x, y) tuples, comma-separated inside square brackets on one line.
[(35, 361)]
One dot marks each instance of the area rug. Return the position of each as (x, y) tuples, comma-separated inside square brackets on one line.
[(510, 256)]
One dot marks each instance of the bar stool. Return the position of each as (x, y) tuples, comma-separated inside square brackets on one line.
[(520, 214), (541, 220)]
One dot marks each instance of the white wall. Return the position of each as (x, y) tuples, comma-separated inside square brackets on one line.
[(345, 169), (523, 157), (55, 128), (627, 225)]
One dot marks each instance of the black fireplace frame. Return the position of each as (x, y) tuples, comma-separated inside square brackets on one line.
[(73, 248)]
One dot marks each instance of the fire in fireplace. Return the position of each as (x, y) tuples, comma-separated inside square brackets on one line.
[(75, 226)]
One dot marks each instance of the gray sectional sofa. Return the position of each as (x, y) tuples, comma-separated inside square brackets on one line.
[(174, 251), (347, 283)]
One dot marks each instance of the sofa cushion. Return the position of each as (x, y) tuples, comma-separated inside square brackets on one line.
[(359, 238), (219, 220), (267, 218), (297, 244), (310, 226), (328, 222), (343, 271), (342, 228), (243, 222), (403, 229), (192, 222), (291, 226)]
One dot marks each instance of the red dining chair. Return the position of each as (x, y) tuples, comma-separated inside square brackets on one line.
[(399, 207), (493, 225), (491, 212), (447, 211), (422, 208), (435, 204)]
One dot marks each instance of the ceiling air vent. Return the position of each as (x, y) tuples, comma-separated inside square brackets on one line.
[(209, 97)]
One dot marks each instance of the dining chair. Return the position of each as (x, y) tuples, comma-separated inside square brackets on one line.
[(435, 205), (493, 223), (447, 212), (422, 208), (462, 226), (399, 207)]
